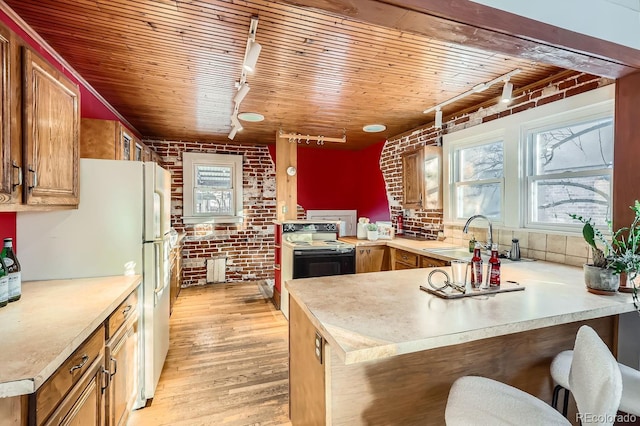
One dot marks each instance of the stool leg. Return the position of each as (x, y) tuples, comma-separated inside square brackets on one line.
[(566, 402), (554, 398)]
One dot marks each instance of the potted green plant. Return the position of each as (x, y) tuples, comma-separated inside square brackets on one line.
[(372, 231), (620, 253)]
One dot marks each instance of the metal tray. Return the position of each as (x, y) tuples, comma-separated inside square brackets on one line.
[(449, 293)]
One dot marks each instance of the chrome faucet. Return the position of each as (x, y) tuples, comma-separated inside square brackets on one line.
[(489, 237)]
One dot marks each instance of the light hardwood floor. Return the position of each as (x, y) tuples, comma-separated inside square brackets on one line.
[(227, 361)]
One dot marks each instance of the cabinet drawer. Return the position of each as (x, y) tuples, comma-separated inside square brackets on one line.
[(69, 373), (430, 262), (409, 259), (120, 315)]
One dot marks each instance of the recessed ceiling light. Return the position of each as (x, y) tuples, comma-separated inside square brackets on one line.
[(374, 128), (250, 116)]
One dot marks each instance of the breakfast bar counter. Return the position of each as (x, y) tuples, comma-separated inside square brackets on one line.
[(391, 351)]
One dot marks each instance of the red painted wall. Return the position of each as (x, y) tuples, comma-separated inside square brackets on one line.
[(8, 227), (331, 179), (371, 191)]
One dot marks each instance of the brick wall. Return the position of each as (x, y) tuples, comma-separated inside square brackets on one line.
[(427, 223), (247, 246)]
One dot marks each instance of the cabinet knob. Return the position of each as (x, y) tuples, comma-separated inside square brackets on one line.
[(34, 180), (84, 360), (126, 310), (15, 185), (107, 378), (115, 366)]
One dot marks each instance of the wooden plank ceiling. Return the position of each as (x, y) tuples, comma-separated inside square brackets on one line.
[(170, 67)]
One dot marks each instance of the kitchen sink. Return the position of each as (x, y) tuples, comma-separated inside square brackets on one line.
[(462, 253)]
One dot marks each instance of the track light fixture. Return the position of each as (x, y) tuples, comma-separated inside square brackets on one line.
[(508, 87), (251, 58), (236, 123), (251, 54), (242, 92), (438, 123), (507, 91)]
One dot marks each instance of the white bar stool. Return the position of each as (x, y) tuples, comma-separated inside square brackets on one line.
[(594, 377), (629, 402)]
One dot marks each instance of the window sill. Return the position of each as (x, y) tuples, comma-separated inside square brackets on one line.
[(194, 220)]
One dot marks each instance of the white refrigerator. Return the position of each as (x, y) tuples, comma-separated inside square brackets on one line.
[(121, 226)]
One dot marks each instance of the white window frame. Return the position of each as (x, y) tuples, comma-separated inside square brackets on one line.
[(514, 129), (189, 162), (480, 140), (593, 113)]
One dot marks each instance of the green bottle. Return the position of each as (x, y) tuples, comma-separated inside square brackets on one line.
[(11, 262), (4, 284)]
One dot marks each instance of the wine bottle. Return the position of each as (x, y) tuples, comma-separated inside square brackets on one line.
[(4, 283), (12, 264)]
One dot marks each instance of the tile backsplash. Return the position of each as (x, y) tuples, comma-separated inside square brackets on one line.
[(570, 250)]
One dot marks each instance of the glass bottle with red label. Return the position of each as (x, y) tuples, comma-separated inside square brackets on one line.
[(494, 267), (476, 267)]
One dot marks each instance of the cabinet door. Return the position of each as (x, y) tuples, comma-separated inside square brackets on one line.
[(122, 361), (84, 405), (10, 143), (372, 259), (51, 136), (413, 179)]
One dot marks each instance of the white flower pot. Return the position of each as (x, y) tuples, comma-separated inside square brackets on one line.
[(372, 235), (601, 279)]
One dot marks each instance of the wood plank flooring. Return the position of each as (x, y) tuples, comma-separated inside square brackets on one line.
[(227, 362)]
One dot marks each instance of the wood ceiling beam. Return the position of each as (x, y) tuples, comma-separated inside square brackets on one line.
[(472, 24)]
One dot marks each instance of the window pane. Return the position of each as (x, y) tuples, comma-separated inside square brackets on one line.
[(214, 176), (578, 147), (481, 162), (209, 201), (554, 199), (483, 199)]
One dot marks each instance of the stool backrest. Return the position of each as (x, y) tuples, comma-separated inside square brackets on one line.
[(595, 379)]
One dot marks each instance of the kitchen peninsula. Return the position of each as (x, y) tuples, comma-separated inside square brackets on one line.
[(389, 352)]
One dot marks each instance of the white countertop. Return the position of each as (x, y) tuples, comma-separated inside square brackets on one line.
[(52, 318), (377, 315)]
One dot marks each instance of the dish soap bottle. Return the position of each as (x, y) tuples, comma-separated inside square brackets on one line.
[(472, 243)]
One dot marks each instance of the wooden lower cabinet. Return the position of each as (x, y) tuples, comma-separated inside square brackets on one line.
[(430, 262), (122, 364), (175, 276), (372, 259), (84, 405), (96, 386), (401, 259)]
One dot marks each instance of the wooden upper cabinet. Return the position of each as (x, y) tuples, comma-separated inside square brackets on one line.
[(422, 178), (10, 142), (432, 177), (413, 179), (110, 140), (51, 106)]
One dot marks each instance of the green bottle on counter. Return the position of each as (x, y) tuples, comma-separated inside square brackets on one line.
[(12, 264), (4, 283)]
